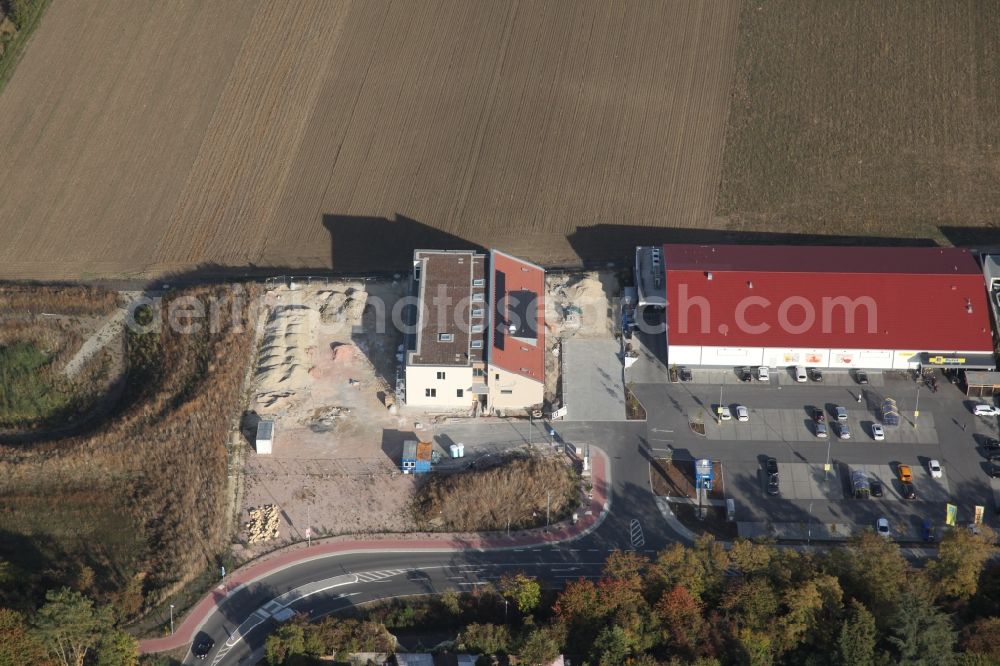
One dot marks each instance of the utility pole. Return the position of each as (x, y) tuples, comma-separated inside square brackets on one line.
[(171, 619), (548, 504), (810, 530), (530, 426), (916, 409), (308, 526)]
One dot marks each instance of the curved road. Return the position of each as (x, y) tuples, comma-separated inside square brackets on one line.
[(237, 617)]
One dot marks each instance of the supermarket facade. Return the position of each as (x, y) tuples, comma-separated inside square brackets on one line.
[(822, 306)]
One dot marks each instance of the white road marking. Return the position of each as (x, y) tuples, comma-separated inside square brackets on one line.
[(635, 533)]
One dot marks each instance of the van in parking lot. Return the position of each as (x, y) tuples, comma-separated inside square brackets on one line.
[(800, 374), (859, 484)]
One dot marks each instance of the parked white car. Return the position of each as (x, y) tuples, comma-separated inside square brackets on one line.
[(742, 413), (725, 414), (800, 374), (878, 433), (934, 467), (982, 409), (841, 413), (882, 527), (762, 374)]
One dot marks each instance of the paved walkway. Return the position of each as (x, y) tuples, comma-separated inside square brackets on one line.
[(591, 517), (592, 381)]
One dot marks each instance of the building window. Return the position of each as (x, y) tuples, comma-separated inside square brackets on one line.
[(506, 391), (478, 372), (477, 344), (445, 337), (459, 393), (477, 328), (479, 282), (430, 393), (498, 376), (479, 312), (440, 375), (477, 297)]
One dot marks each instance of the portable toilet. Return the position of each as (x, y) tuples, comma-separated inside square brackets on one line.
[(265, 437)]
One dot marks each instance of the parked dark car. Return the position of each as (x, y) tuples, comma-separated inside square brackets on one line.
[(744, 374), (685, 375), (876, 488), (816, 374), (991, 444), (818, 415), (928, 532), (771, 468), (993, 466), (908, 491), (861, 376)]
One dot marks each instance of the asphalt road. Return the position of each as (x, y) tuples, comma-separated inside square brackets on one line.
[(634, 520), (359, 578)]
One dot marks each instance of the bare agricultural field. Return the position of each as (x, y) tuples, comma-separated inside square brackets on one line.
[(340, 133), (865, 118)]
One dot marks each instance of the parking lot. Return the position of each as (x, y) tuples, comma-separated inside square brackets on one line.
[(782, 425), (798, 424)]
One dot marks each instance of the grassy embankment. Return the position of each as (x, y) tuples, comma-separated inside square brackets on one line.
[(135, 507)]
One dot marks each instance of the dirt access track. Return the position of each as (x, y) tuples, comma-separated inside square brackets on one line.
[(142, 138)]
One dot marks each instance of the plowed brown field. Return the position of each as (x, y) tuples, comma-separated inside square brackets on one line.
[(140, 137)]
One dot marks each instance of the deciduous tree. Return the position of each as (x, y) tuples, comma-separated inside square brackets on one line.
[(750, 603), (485, 639), (285, 644), (541, 646), (18, 644), (681, 619), (117, 648), (872, 569), (523, 590), (982, 637), (960, 561)]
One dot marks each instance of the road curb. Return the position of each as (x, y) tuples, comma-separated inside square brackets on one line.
[(195, 618)]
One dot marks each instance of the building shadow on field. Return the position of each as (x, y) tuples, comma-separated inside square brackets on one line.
[(613, 241), (361, 243)]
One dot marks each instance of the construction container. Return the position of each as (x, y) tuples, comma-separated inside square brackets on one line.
[(416, 457)]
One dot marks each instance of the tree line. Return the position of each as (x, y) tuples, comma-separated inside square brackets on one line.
[(861, 604)]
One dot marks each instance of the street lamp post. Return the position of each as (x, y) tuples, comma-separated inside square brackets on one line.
[(916, 409), (809, 532), (171, 619)]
